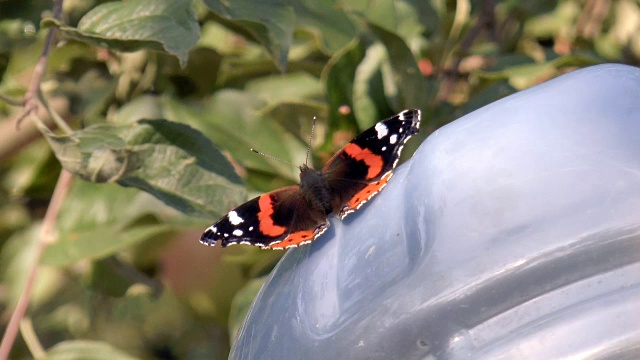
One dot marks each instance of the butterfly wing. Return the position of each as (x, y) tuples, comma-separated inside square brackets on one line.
[(276, 220), (365, 165)]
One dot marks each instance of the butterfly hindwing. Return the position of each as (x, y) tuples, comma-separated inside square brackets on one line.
[(275, 220)]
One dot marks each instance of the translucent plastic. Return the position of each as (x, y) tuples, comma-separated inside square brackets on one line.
[(512, 233)]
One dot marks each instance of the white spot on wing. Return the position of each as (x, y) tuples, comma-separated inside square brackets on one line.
[(382, 130), (234, 218), (384, 148), (250, 228), (393, 138), (237, 232)]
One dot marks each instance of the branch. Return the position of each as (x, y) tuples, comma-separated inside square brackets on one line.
[(46, 237), (30, 100)]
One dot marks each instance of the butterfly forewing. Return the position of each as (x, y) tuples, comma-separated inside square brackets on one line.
[(363, 167)]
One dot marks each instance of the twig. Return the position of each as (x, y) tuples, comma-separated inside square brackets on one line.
[(46, 237), (57, 119), (590, 21), (30, 100), (31, 339), (9, 100)]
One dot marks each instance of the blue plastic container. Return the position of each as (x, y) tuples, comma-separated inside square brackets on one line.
[(512, 233)]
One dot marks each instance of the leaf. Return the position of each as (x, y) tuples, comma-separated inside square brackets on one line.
[(289, 86), (107, 277), (13, 34), (86, 350), (412, 89), (525, 75), (294, 117), (270, 23), (327, 20), (99, 220), (98, 243), (171, 161), (233, 121), (338, 81), (368, 96), (241, 305), (161, 25)]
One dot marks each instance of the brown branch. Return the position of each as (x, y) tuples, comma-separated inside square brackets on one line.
[(593, 15), (30, 100), (46, 237)]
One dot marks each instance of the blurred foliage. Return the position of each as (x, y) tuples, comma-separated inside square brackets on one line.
[(163, 100)]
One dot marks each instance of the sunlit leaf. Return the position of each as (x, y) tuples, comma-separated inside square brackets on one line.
[(86, 350), (171, 161), (241, 305), (270, 23), (161, 25), (412, 87), (98, 242), (327, 20)]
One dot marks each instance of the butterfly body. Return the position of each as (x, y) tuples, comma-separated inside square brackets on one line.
[(298, 214)]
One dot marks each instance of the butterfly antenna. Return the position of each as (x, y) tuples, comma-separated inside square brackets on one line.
[(270, 157), (313, 127)]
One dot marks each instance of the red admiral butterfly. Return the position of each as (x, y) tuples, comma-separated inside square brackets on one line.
[(298, 214)]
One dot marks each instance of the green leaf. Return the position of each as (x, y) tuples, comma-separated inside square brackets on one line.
[(160, 25), (13, 34), (241, 305), (86, 350), (107, 277), (412, 88), (234, 122), (295, 117), (338, 81), (368, 96), (270, 23), (98, 243), (289, 86), (171, 161), (525, 75), (327, 20), (94, 222)]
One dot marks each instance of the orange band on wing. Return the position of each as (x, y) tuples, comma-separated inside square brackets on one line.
[(373, 161), (267, 227), (294, 239), (368, 191)]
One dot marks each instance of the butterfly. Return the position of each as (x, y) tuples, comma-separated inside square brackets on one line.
[(298, 214)]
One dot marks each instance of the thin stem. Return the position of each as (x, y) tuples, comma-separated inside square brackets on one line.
[(57, 119), (31, 339), (46, 238), (30, 100), (9, 100)]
